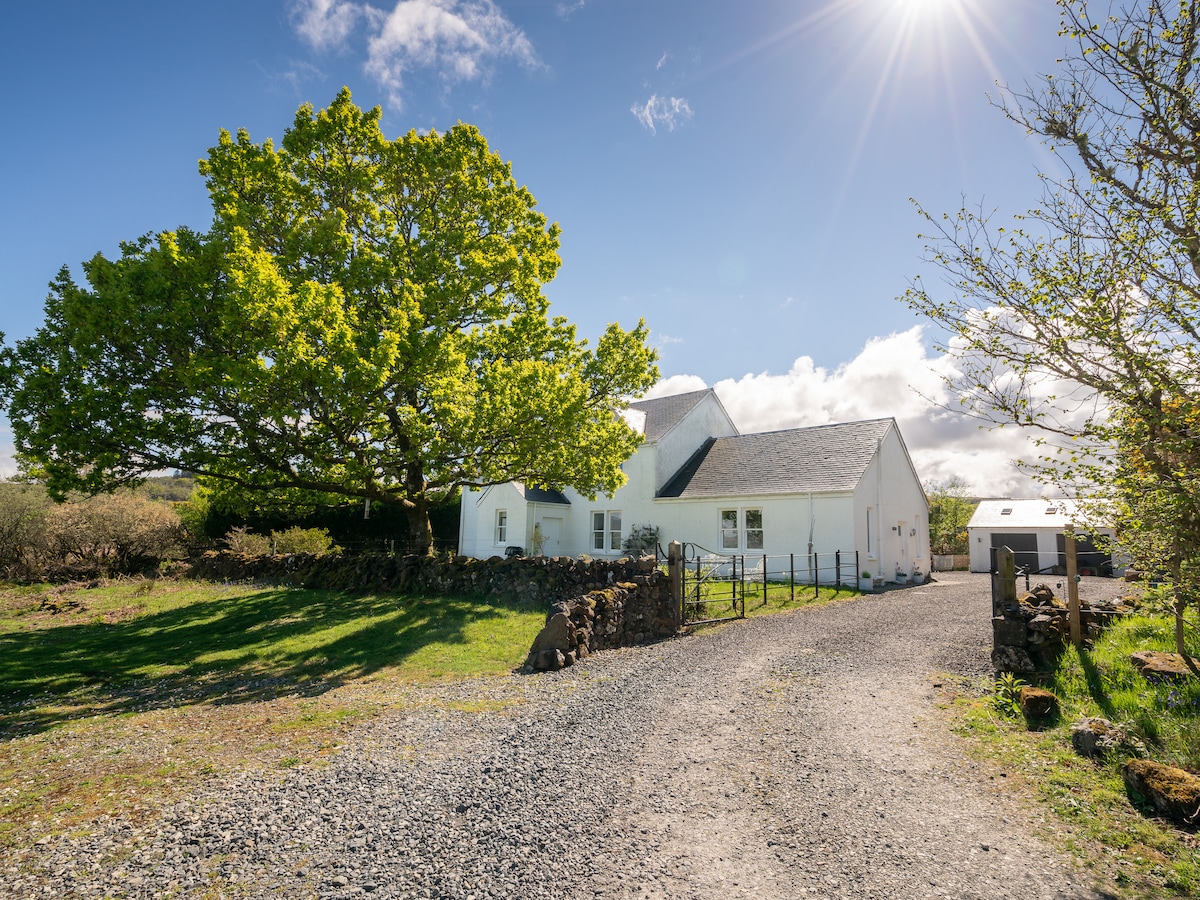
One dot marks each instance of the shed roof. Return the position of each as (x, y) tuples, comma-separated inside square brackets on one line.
[(664, 413), (818, 459), (1056, 514)]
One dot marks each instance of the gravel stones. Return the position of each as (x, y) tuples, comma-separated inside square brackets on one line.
[(786, 756)]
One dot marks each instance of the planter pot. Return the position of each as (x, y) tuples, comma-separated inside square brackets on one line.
[(866, 585)]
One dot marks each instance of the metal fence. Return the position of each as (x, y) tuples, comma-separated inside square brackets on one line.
[(716, 586)]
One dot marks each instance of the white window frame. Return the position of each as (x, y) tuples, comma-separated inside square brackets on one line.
[(735, 531), (501, 532), (608, 536)]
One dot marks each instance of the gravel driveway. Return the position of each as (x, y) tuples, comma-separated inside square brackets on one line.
[(796, 755)]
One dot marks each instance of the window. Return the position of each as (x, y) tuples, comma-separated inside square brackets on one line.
[(606, 530), (501, 526), (754, 529), (729, 529), (736, 523)]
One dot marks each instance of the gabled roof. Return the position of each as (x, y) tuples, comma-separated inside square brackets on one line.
[(664, 413), (798, 460), (1055, 514)]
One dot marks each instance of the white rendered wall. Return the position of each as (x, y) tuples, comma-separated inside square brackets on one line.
[(478, 526), (706, 420), (899, 514)]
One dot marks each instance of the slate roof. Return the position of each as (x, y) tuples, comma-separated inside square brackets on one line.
[(663, 413), (541, 495), (798, 460)]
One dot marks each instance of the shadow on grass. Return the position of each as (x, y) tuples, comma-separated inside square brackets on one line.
[(1095, 683), (229, 649)]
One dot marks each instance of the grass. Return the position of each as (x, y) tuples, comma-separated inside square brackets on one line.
[(114, 698), (765, 599), (1144, 856)]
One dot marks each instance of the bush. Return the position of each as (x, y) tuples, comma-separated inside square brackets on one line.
[(241, 540), (120, 532), (316, 541), (23, 511)]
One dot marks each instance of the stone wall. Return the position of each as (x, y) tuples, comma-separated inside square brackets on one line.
[(1029, 634), (623, 615), (539, 578), (594, 604)]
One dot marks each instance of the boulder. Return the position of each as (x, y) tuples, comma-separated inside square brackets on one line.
[(1156, 666), (1173, 792), (1010, 632), (1038, 703), (1095, 737), (1013, 659)]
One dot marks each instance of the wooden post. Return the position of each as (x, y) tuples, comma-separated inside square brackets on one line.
[(1073, 586), (675, 572), (1004, 580)]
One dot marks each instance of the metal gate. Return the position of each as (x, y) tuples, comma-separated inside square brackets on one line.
[(713, 586)]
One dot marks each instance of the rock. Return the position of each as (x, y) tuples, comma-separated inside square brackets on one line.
[(1173, 792), (1013, 659), (1156, 666), (1095, 737), (1038, 703), (1010, 632), (1043, 624)]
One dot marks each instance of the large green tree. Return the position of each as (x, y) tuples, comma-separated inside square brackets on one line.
[(1081, 319), (364, 319)]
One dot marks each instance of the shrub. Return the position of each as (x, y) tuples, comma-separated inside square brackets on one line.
[(242, 540), (23, 511), (316, 541), (120, 532)]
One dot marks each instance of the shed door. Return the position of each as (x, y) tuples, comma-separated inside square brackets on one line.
[(1023, 546)]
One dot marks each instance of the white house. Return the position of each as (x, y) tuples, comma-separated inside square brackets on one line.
[(1034, 531), (847, 488)]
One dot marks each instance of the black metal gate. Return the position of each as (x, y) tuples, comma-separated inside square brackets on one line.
[(713, 586)]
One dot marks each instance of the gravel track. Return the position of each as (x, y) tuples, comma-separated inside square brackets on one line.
[(795, 755)]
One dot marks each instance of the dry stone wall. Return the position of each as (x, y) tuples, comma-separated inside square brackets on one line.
[(1029, 634), (593, 604)]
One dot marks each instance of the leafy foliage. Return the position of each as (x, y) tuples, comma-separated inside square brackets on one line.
[(950, 509), (365, 319), (1007, 699), (1082, 319)]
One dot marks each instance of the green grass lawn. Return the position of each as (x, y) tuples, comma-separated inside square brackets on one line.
[(760, 599), (1144, 855), (120, 694)]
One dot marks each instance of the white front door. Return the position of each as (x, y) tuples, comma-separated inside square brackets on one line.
[(551, 536)]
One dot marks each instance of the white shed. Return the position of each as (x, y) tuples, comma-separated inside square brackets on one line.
[(1034, 530)]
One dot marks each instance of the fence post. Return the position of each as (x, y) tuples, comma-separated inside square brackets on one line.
[(792, 575), (816, 567), (837, 569), (1004, 580), (1073, 585), (675, 574)]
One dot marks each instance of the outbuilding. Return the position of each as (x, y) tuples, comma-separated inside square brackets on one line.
[(1035, 531)]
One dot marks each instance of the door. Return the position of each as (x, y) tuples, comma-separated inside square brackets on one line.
[(1024, 547), (552, 536)]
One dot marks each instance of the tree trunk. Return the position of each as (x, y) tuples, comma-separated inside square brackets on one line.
[(1181, 606), (420, 532)]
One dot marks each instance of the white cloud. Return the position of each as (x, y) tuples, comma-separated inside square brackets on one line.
[(565, 10), (325, 23), (892, 377), (662, 61), (662, 112), (457, 40)]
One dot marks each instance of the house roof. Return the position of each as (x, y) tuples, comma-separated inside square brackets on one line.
[(541, 495), (664, 413), (1055, 514), (798, 460)]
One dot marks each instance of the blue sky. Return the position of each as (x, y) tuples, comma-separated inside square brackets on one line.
[(738, 174)]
